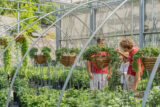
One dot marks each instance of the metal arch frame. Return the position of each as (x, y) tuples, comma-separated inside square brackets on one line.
[(110, 8), (82, 50), (126, 0), (39, 38), (19, 65)]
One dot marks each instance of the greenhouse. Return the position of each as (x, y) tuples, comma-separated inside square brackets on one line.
[(79, 53)]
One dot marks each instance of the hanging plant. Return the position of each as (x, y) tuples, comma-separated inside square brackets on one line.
[(46, 52), (148, 55), (3, 41), (24, 48), (7, 57), (20, 38), (66, 56), (100, 61), (41, 58)]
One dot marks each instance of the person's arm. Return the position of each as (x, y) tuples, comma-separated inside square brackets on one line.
[(109, 73), (137, 77), (118, 51), (89, 69)]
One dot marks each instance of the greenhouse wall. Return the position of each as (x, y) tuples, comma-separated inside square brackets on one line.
[(115, 29)]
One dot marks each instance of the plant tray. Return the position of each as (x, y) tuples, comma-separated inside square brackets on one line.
[(100, 61), (40, 59), (3, 41), (148, 63), (67, 60), (20, 38)]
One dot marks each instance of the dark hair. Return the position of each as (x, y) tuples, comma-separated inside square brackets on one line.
[(100, 39)]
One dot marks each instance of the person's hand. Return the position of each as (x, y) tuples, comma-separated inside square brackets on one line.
[(118, 50), (108, 76), (90, 75)]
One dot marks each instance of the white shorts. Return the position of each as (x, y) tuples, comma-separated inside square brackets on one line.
[(99, 81)]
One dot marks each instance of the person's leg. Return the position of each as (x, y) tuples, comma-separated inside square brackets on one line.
[(103, 81), (130, 81), (122, 86), (95, 80)]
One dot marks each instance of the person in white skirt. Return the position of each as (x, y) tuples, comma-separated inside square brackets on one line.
[(123, 71), (98, 77)]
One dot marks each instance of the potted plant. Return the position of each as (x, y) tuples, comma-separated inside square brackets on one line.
[(46, 52), (148, 55), (100, 61), (41, 58), (66, 56), (20, 38), (3, 41)]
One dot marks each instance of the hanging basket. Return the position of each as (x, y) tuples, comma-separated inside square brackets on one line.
[(3, 41), (20, 38), (100, 61), (149, 62), (40, 59), (67, 60)]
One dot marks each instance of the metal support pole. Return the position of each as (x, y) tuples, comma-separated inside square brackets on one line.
[(18, 17), (141, 23), (92, 20), (58, 32), (150, 81)]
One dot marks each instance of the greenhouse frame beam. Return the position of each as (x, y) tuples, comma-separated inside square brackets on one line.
[(58, 33), (40, 4), (61, 2), (82, 50), (141, 23), (92, 20)]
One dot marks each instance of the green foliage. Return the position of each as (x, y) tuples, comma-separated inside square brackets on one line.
[(66, 51), (3, 97), (24, 15), (98, 49), (24, 48), (7, 57), (51, 17), (33, 52), (3, 81), (46, 51), (19, 82), (147, 51), (85, 98)]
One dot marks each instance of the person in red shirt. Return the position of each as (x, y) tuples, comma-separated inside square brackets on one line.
[(133, 77), (98, 77)]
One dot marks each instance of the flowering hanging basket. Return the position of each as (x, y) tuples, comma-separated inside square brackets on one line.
[(20, 38), (100, 61), (67, 60), (149, 62), (3, 41), (40, 59)]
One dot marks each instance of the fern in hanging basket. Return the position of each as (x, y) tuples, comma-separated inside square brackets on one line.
[(148, 55), (41, 58), (46, 52), (66, 56), (20, 37), (100, 61), (3, 41)]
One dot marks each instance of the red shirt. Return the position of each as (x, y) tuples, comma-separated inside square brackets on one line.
[(94, 69), (130, 58)]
